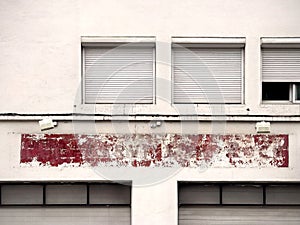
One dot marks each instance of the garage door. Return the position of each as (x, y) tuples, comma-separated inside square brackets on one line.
[(241, 204), (64, 204)]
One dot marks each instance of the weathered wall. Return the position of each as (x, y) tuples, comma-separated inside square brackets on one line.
[(40, 47), (11, 136), (155, 150), (151, 184), (40, 64)]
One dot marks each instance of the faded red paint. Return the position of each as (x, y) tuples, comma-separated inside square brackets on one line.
[(145, 150), (52, 149)]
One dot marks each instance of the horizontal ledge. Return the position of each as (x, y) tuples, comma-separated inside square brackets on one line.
[(209, 40), (113, 41), (267, 205), (282, 80), (150, 117), (65, 182), (84, 205), (283, 42)]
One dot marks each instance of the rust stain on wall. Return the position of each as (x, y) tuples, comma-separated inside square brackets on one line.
[(154, 150)]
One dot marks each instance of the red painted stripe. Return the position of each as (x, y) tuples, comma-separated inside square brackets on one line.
[(145, 150)]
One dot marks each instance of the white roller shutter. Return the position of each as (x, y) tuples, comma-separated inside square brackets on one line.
[(207, 75), (119, 74), (280, 65), (116, 215), (238, 215)]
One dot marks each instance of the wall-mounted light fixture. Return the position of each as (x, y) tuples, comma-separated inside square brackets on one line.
[(263, 127), (47, 123), (155, 123)]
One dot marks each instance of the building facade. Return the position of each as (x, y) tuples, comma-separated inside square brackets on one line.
[(167, 112)]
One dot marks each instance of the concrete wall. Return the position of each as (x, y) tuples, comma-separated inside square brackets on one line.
[(40, 64), (40, 46), (11, 169), (154, 193)]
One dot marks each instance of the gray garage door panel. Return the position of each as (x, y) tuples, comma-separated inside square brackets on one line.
[(198, 215), (21, 194), (65, 216)]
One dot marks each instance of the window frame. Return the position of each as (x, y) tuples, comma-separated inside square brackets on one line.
[(96, 41), (291, 96), (220, 185), (87, 194), (294, 93), (280, 43)]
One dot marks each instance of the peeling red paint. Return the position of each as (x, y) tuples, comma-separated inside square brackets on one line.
[(52, 149), (145, 150)]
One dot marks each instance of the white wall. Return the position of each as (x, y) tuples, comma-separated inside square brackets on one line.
[(40, 47), (154, 194), (40, 73), (10, 146)]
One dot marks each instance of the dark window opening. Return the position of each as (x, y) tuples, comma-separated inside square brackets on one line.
[(242, 194), (276, 91), (65, 194)]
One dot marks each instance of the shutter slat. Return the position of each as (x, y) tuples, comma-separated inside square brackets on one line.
[(197, 215), (208, 75), (118, 75), (280, 65), (67, 215)]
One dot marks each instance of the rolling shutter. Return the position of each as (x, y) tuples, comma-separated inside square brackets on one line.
[(280, 65), (117, 215), (119, 74), (207, 75), (242, 215)]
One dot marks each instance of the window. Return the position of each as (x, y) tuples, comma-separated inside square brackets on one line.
[(208, 70), (118, 70), (276, 91), (46, 194), (220, 194), (280, 70)]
